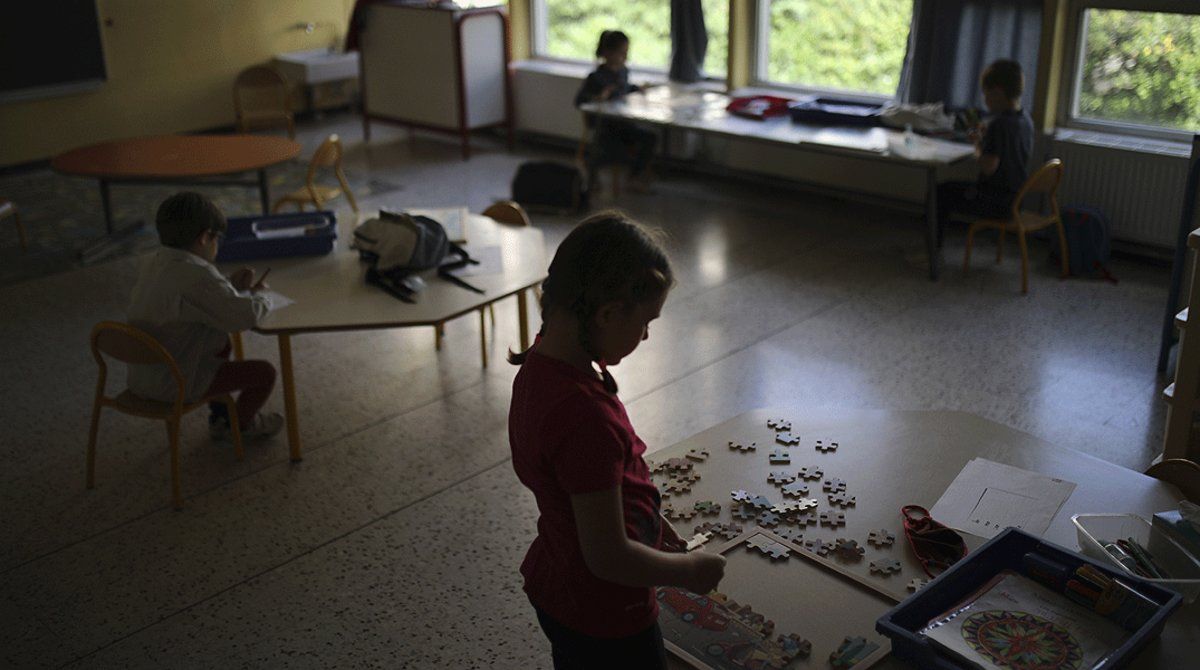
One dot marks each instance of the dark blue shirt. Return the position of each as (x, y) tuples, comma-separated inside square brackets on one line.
[(1009, 136), (600, 79)]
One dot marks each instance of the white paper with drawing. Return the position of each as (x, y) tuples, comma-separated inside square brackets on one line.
[(987, 497)]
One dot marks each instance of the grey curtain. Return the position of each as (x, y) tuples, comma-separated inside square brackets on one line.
[(952, 41), (689, 40)]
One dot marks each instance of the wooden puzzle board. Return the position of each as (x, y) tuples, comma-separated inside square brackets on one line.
[(802, 595)]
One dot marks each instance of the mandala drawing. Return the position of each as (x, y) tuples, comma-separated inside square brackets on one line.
[(1021, 641)]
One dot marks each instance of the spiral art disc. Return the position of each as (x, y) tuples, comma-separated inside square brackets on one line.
[(1021, 641)]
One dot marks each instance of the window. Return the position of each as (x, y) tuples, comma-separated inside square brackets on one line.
[(570, 29), (1139, 68), (850, 45)]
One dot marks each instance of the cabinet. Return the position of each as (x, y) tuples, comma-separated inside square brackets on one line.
[(434, 68)]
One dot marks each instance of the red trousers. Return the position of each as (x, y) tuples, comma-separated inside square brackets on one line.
[(252, 380)]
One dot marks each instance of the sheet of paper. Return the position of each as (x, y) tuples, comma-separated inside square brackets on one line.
[(987, 497), (490, 262), (453, 219), (277, 299)]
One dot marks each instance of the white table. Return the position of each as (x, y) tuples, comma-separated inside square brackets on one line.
[(675, 106), (331, 295), (892, 458)]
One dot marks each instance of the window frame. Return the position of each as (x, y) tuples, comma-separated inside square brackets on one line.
[(1074, 44), (759, 41), (539, 20)]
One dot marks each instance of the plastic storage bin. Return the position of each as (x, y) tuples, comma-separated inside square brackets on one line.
[(835, 112), (1004, 552), (1095, 530), (278, 235)]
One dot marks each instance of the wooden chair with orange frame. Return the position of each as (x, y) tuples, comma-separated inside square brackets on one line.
[(1181, 473), (328, 155), (586, 144), (131, 345), (265, 85), (1044, 182)]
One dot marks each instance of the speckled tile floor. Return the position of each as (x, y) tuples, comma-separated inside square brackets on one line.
[(396, 541)]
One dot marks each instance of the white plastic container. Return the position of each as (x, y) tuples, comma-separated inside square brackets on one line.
[(1096, 530)]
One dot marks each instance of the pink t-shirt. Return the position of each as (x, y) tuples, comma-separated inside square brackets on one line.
[(568, 436)]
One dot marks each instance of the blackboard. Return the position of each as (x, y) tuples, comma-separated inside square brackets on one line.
[(48, 48)]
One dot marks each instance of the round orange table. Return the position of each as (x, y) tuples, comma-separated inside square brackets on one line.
[(174, 159)]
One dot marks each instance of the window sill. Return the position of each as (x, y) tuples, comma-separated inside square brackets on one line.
[(580, 70), (1124, 142)]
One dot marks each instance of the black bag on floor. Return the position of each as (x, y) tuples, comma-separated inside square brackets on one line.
[(550, 186), (1088, 243)]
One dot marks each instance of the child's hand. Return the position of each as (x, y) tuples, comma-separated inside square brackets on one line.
[(671, 540), (705, 573), (607, 92), (242, 278)]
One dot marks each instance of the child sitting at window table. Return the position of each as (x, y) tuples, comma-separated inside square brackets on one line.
[(616, 140), (602, 545), (190, 308), (1002, 150)]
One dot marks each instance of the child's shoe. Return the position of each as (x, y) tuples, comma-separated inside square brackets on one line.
[(218, 429), (264, 425)]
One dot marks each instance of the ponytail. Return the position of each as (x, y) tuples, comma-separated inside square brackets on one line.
[(607, 258)]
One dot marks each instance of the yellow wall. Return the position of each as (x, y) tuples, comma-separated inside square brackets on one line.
[(171, 65), (520, 28)]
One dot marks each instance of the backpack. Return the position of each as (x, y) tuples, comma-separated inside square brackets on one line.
[(399, 246), (1088, 243), (550, 186)]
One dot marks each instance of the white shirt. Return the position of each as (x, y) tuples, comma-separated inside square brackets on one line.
[(190, 308)]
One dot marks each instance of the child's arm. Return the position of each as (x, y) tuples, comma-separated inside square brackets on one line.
[(220, 306), (612, 556), (985, 151)]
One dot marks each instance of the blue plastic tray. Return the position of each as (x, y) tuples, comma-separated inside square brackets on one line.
[(1003, 552), (278, 235)]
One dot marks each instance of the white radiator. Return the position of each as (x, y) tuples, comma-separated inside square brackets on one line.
[(1140, 189)]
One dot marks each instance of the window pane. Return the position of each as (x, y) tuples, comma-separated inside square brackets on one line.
[(854, 45), (1141, 67), (573, 28), (716, 22)]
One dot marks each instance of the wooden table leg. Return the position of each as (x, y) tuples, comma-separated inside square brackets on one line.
[(523, 319), (264, 193), (932, 244), (289, 396), (239, 352), (483, 337), (106, 202)]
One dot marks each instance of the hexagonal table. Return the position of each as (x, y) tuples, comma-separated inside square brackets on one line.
[(331, 294)]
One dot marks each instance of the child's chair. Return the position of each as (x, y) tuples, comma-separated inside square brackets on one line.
[(260, 100), (7, 209), (132, 345), (589, 165), (1181, 473), (329, 154), (1045, 182)]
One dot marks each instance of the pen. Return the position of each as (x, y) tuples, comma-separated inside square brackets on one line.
[(263, 278)]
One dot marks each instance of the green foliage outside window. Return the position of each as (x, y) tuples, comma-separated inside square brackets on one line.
[(573, 27), (1141, 67), (854, 45)]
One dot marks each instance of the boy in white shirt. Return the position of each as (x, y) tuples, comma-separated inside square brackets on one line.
[(190, 308)]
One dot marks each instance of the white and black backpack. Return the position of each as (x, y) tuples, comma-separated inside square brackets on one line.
[(400, 246)]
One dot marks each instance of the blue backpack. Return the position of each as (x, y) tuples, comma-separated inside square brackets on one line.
[(1088, 244)]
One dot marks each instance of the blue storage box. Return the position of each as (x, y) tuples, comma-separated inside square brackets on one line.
[(1004, 552), (834, 112), (278, 235)]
